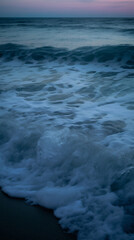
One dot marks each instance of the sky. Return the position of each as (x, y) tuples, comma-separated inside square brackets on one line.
[(66, 8)]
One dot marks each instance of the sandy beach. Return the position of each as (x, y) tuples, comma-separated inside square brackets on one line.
[(21, 221)]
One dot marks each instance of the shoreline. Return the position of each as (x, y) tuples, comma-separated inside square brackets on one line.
[(20, 221)]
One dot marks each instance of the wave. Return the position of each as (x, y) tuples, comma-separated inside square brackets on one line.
[(52, 25), (86, 186), (66, 136), (130, 30), (123, 54)]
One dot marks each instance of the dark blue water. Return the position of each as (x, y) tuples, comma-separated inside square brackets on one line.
[(67, 120)]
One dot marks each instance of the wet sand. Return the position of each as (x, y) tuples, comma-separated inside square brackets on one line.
[(19, 221)]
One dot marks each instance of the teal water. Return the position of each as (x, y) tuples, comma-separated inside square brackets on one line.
[(67, 120), (67, 33)]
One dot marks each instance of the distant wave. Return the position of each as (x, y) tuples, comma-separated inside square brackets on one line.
[(54, 25), (130, 30), (123, 54)]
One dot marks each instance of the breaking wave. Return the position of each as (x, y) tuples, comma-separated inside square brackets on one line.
[(123, 54), (66, 136), (85, 185)]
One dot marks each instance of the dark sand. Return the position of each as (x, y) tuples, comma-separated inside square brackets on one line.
[(19, 221)]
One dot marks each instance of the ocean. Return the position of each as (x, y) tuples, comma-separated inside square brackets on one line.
[(67, 120)]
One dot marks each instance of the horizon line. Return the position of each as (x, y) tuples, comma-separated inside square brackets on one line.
[(66, 17)]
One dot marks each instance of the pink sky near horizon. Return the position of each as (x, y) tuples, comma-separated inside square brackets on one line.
[(57, 8)]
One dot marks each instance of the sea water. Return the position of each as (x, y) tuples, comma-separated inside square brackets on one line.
[(67, 120)]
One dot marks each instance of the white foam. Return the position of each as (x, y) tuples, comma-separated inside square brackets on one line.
[(58, 148)]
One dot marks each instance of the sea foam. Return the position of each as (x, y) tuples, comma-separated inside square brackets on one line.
[(66, 136)]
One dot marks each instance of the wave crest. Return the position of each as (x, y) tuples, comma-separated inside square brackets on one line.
[(123, 54)]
